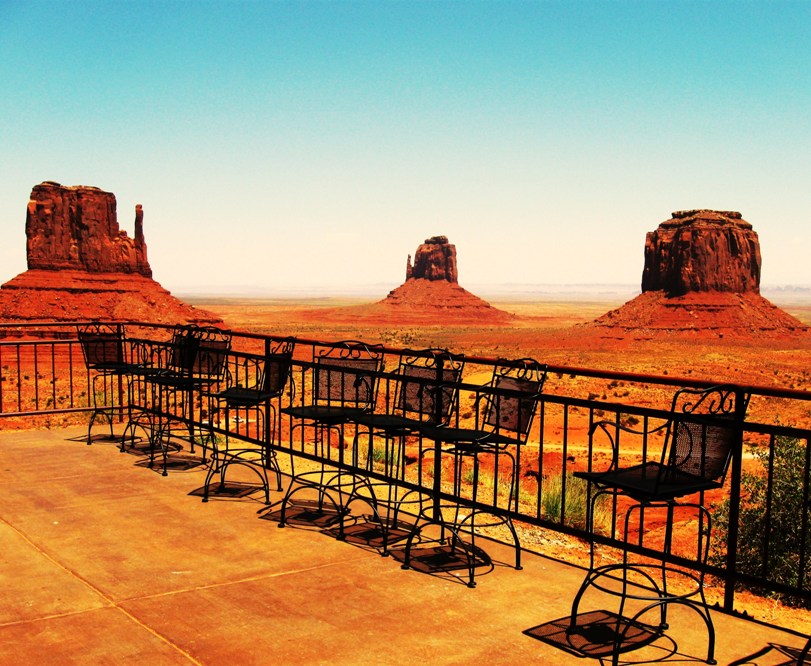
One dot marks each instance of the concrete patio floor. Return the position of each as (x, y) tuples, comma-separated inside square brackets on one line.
[(104, 561)]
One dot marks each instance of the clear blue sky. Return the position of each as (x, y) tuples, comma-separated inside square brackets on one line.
[(318, 143)]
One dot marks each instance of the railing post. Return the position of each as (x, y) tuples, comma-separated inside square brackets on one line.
[(119, 331), (733, 517), (266, 436), (438, 397)]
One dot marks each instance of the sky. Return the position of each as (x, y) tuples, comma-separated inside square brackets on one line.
[(281, 145)]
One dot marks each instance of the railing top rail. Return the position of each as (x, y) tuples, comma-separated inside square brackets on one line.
[(642, 378)]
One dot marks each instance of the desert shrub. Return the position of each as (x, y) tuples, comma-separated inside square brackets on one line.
[(782, 533), (385, 458), (576, 503)]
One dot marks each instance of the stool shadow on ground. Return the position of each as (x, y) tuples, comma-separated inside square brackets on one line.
[(366, 532), (97, 437), (228, 490), (597, 633), (177, 463), (443, 561), (792, 654), (304, 514), (141, 447)]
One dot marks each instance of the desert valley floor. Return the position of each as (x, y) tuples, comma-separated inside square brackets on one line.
[(552, 331)]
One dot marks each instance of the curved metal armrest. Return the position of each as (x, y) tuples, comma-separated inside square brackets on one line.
[(141, 353), (611, 427)]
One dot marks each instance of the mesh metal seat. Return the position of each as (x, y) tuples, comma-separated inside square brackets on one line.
[(251, 389), (505, 410), (701, 433)]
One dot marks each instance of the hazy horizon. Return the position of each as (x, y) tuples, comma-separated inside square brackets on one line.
[(504, 292)]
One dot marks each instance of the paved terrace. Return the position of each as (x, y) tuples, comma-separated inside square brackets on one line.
[(105, 561)]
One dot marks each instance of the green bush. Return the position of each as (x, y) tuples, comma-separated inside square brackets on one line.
[(782, 533), (576, 501)]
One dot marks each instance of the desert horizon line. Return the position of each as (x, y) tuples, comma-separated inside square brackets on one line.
[(480, 288)]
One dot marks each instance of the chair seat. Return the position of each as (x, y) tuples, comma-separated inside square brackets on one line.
[(146, 371), (471, 439), (177, 381), (650, 482), (115, 367), (392, 423), (324, 413), (237, 396)]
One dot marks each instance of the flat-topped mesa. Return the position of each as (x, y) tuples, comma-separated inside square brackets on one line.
[(702, 250), (76, 228), (701, 278), (435, 260)]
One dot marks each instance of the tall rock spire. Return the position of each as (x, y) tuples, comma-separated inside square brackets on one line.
[(435, 259)]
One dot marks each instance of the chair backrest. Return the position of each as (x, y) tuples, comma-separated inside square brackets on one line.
[(703, 431), (276, 369), (211, 357), (511, 402), (346, 375), (417, 387), (102, 345), (183, 347)]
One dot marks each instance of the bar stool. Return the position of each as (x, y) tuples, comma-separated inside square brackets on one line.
[(105, 353), (260, 380), (344, 385), (703, 428), (505, 409), (422, 393)]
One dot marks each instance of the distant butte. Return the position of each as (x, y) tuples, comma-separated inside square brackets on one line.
[(430, 295), (81, 266), (701, 277), (432, 291)]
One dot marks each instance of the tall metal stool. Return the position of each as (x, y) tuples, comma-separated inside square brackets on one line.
[(422, 393), (105, 353), (197, 362), (505, 409), (344, 384), (252, 387), (702, 430)]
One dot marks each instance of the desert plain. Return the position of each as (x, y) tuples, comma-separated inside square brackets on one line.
[(556, 331)]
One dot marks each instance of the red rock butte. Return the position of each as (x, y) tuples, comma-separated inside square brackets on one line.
[(701, 277), (431, 290), (81, 266), (430, 295)]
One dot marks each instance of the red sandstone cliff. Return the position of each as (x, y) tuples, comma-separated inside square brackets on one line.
[(82, 266), (77, 228), (435, 259), (702, 250)]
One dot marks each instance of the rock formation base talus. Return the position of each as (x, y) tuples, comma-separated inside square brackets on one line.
[(82, 266), (702, 277)]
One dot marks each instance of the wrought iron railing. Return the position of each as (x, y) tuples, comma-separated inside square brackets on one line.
[(42, 374)]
